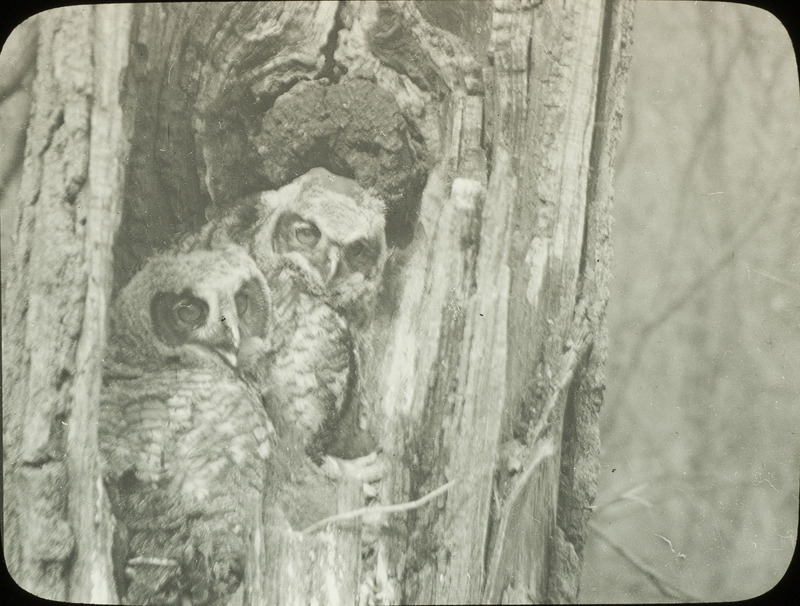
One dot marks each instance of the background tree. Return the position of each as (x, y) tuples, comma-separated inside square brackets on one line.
[(698, 491), (488, 129)]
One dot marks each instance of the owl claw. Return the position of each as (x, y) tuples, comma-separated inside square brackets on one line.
[(330, 467), (369, 469), (370, 490)]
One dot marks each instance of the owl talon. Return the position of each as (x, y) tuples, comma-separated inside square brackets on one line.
[(368, 469), (370, 490), (331, 468)]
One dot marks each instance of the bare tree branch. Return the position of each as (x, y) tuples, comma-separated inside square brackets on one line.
[(664, 586), (380, 509), (701, 280)]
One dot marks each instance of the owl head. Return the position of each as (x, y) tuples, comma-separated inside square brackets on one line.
[(192, 308), (324, 231)]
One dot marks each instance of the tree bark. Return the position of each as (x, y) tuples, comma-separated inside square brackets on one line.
[(489, 131), (56, 526)]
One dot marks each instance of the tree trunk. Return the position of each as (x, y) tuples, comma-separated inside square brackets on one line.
[(56, 524), (488, 129)]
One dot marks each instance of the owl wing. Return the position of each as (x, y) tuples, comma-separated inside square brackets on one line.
[(133, 429), (219, 469), (183, 454), (313, 372)]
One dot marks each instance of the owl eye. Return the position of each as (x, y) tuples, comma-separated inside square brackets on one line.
[(190, 311), (356, 250), (306, 233), (242, 301)]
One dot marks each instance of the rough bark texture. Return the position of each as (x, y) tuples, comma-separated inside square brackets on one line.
[(580, 453), (56, 524), (487, 128)]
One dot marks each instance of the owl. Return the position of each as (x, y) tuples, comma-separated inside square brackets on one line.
[(320, 242), (183, 439)]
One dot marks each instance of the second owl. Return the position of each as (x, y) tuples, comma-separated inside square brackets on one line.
[(321, 245)]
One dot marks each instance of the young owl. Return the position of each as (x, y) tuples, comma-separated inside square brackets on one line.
[(183, 439), (320, 242)]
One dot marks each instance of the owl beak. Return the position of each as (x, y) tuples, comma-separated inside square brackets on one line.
[(334, 257), (228, 347)]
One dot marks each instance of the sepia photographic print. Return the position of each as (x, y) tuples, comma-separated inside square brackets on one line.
[(400, 302)]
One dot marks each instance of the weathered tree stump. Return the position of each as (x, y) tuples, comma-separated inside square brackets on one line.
[(488, 129)]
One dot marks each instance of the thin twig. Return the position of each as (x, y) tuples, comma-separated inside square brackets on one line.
[(543, 450), (700, 280), (705, 130), (697, 482), (725, 257), (569, 361), (153, 561), (380, 509), (580, 337), (664, 586), (777, 279)]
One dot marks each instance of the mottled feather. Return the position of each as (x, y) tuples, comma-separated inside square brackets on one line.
[(320, 242), (183, 438)]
